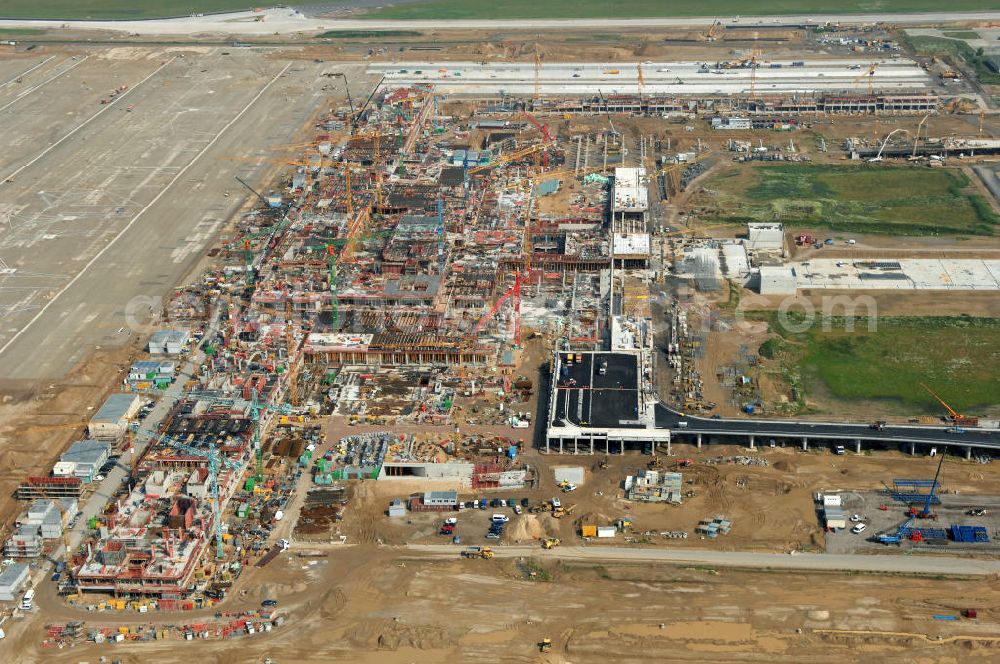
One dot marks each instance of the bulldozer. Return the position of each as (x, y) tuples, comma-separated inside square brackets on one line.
[(560, 512), (551, 542)]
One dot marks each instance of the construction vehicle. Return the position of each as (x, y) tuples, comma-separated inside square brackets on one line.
[(545, 645), (550, 542), (484, 552), (956, 418), (560, 512)]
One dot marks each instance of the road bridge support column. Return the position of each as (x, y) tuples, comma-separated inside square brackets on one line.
[(913, 449), (968, 453), (857, 446), (805, 443), (751, 442), (699, 441), (669, 451)]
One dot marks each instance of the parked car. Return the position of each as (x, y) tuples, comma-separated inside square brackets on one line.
[(855, 518), (524, 503), (556, 503), (858, 529), (269, 603), (569, 487), (492, 535), (517, 509), (500, 518), (451, 521)]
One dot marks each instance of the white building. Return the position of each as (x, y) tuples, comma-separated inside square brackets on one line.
[(13, 580), (168, 342), (777, 280), (765, 237), (111, 420)]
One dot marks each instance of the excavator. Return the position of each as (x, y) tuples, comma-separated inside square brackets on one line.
[(551, 542)]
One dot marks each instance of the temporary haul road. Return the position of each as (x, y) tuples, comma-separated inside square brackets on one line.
[(675, 78), (888, 564), (289, 21), (105, 208)]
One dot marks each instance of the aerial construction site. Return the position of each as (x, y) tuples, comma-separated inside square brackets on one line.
[(379, 347)]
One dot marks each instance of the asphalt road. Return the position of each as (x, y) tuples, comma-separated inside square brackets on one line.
[(288, 21), (840, 431), (887, 564)]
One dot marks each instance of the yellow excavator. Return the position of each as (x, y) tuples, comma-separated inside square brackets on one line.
[(550, 542)]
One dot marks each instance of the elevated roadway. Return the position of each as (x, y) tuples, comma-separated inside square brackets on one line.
[(757, 431)]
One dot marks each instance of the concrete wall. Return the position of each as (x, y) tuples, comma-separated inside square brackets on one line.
[(460, 473)]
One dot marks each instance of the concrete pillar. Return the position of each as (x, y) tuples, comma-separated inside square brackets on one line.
[(699, 441), (669, 452), (805, 443), (592, 445), (913, 449), (857, 446), (968, 453), (751, 442)]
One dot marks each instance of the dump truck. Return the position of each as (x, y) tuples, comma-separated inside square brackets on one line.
[(483, 552), (550, 542)]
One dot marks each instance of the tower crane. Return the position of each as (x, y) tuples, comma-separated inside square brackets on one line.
[(214, 461), (641, 78), (538, 74), (870, 73), (754, 56)]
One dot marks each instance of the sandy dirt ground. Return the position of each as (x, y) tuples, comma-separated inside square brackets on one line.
[(365, 604)]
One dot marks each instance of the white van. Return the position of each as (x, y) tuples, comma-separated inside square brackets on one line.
[(682, 425), (500, 518), (28, 600)]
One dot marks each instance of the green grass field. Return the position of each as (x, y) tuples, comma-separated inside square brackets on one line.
[(894, 200), (961, 34), (955, 50), (445, 9), (115, 9), (959, 358), (366, 34)]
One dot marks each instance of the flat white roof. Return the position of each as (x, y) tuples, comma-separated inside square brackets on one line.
[(966, 274), (630, 192), (631, 244)]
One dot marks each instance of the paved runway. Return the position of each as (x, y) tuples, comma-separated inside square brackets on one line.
[(288, 21), (676, 78), (103, 209)]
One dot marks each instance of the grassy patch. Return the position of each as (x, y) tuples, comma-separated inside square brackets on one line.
[(445, 9), (20, 32), (115, 9), (958, 357), (367, 34), (961, 34), (956, 51), (893, 200)]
